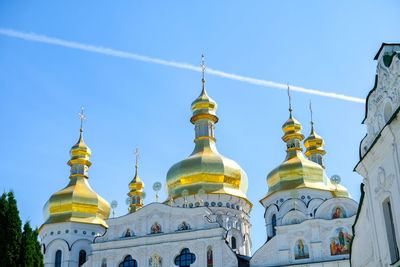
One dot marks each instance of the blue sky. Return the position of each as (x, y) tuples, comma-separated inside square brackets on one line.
[(326, 46)]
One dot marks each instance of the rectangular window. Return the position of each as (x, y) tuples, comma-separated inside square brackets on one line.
[(390, 231)]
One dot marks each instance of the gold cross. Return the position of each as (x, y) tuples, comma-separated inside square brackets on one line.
[(137, 155), (290, 98), (311, 112), (82, 118), (203, 67)]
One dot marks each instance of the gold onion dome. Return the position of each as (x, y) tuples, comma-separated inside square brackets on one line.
[(136, 187), (315, 147), (297, 171), (206, 169), (77, 202)]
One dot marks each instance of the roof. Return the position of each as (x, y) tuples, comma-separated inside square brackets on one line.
[(382, 46)]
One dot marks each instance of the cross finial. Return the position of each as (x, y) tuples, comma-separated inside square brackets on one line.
[(137, 156), (290, 98), (82, 118), (203, 67), (312, 122)]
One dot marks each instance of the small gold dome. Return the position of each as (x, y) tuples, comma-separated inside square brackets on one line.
[(136, 183), (204, 107), (136, 194), (297, 171), (77, 202), (292, 129), (314, 143), (205, 168)]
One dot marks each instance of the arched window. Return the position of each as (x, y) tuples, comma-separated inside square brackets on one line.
[(233, 242), (155, 261), (104, 263), (58, 258), (128, 262), (82, 257), (209, 257), (185, 258), (273, 225), (390, 231)]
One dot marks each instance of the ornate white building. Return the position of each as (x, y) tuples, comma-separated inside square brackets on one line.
[(308, 217), (379, 213), (205, 220)]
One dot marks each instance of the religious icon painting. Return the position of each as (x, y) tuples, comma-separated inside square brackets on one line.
[(209, 257), (340, 243), (128, 233), (183, 226), (155, 261), (338, 212), (155, 228), (301, 250)]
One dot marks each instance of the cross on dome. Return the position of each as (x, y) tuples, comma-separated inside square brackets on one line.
[(137, 156), (82, 118), (203, 67), (290, 98)]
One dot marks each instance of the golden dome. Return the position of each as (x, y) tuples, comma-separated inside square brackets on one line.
[(136, 187), (315, 146), (205, 168), (204, 107), (297, 171), (77, 202), (292, 129), (136, 183)]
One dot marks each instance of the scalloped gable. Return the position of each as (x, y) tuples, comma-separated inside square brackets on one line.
[(384, 98)]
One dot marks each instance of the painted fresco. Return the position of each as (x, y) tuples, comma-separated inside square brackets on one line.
[(340, 243), (301, 250), (155, 228), (155, 261), (338, 212), (209, 257)]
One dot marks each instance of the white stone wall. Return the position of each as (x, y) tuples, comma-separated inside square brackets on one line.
[(204, 232), (316, 233), (232, 213), (309, 204), (70, 238), (305, 214), (384, 99), (380, 167)]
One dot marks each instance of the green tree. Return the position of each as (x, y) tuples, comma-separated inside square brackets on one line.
[(26, 256), (38, 256), (13, 232), (17, 248), (3, 225), (30, 254)]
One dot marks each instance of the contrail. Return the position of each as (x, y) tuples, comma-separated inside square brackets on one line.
[(117, 53)]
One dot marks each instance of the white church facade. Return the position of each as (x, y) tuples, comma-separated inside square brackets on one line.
[(205, 221), (379, 165)]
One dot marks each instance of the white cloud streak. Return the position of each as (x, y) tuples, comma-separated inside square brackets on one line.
[(117, 53)]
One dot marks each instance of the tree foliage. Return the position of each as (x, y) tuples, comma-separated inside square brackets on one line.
[(17, 247)]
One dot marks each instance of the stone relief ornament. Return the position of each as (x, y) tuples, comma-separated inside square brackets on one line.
[(386, 91)]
